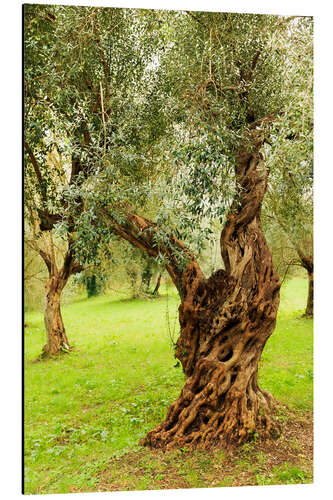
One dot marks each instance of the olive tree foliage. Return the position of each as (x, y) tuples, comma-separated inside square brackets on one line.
[(152, 110), (148, 109), (86, 100), (93, 97), (205, 81)]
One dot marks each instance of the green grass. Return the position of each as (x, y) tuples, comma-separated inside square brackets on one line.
[(286, 364), (85, 412)]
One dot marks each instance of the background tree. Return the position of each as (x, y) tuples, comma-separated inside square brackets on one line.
[(134, 271), (60, 264), (288, 207), (152, 271), (289, 214), (57, 254), (94, 283), (285, 258), (82, 68)]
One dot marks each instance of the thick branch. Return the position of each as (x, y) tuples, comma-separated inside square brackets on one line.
[(70, 266), (144, 234), (36, 166)]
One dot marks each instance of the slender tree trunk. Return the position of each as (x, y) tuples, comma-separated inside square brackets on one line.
[(91, 286), (307, 263), (57, 340), (309, 304), (158, 283), (225, 323)]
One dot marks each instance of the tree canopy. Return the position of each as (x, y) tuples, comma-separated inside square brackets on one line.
[(152, 109)]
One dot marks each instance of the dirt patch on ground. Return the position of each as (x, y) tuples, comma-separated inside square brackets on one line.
[(287, 460)]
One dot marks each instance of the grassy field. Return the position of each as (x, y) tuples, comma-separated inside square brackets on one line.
[(85, 412)]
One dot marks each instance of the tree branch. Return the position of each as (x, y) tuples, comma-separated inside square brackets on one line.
[(144, 234), (70, 266), (105, 67), (35, 165)]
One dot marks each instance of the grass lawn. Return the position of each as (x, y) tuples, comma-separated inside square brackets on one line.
[(86, 411)]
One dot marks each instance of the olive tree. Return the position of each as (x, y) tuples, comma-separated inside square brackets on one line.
[(233, 77)]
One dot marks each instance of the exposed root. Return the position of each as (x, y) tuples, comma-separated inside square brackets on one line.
[(219, 415), (47, 355)]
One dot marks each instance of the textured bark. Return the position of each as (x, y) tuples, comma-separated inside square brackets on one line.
[(225, 323), (57, 340)]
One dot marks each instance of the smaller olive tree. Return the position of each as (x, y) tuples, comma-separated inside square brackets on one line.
[(81, 113)]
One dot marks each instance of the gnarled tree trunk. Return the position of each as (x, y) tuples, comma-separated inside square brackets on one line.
[(57, 340), (225, 322)]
